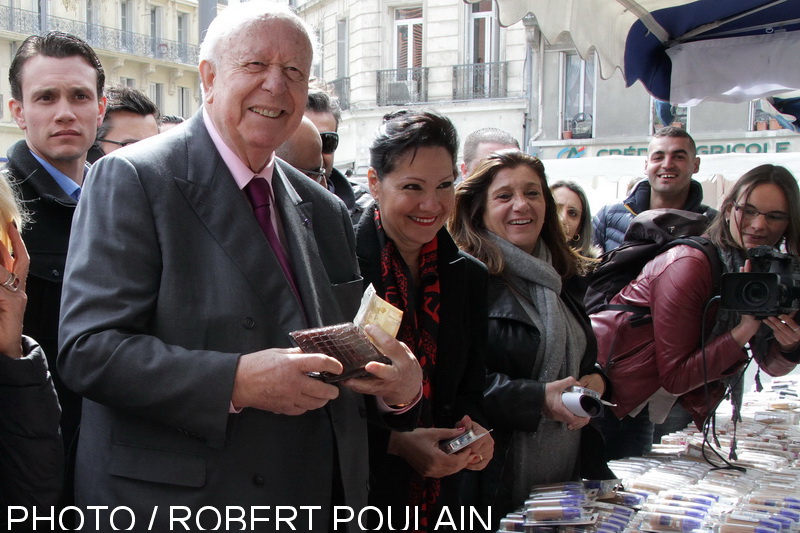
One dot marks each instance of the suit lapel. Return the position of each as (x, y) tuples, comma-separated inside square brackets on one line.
[(297, 218), (224, 210)]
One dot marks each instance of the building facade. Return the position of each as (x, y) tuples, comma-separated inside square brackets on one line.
[(454, 57), (151, 45), (383, 55)]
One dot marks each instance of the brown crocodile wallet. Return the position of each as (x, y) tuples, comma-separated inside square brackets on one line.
[(344, 342)]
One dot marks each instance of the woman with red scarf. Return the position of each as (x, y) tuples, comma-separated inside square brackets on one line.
[(406, 253)]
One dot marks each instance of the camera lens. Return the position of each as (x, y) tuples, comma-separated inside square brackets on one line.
[(755, 293), (591, 405)]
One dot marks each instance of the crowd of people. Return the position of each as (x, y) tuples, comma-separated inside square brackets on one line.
[(161, 283)]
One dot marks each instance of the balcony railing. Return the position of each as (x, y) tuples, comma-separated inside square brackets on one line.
[(101, 37), (402, 86), (342, 88), (479, 80), (19, 20)]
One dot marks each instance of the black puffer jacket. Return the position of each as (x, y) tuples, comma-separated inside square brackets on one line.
[(612, 221), (354, 195)]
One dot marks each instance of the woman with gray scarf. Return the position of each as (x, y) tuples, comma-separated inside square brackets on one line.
[(540, 339)]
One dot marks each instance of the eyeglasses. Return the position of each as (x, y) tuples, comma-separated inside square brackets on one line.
[(750, 212), (330, 141), (118, 143), (316, 175)]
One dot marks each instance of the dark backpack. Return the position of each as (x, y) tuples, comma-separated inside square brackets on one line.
[(650, 233)]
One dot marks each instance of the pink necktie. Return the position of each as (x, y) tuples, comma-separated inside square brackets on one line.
[(259, 193)]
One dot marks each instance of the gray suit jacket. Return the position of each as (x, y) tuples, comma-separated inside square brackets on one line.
[(169, 280)]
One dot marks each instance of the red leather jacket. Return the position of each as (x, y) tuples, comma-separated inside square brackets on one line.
[(667, 352)]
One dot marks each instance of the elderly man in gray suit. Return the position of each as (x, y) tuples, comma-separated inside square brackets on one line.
[(182, 286)]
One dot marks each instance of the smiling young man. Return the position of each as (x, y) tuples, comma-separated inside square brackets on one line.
[(57, 100), (671, 162)]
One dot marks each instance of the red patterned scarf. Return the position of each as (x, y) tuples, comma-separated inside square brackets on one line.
[(419, 331)]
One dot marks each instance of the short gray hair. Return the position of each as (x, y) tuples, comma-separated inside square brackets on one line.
[(486, 135), (237, 18)]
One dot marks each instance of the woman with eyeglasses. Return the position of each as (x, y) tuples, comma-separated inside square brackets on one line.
[(665, 361)]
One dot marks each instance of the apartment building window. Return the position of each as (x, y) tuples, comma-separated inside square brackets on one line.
[(408, 37), (578, 90), (155, 30), (408, 80), (184, 102), (126, 26), (342, 60), (665, 114), (157, 95), (127, 82), (124, 16), (482, 32), (183, 27), (318, 69), (482, 76), (92, 20), (183, 37), (155, 22)]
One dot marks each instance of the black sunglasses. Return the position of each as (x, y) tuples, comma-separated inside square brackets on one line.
[(330, 141)]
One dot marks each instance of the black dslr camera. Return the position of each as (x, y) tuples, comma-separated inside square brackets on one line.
[(771, 289)]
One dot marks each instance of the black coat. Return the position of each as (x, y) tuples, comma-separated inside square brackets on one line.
[(31, 454), (458, 379), (46, 237), (513, 401), (354, 195)]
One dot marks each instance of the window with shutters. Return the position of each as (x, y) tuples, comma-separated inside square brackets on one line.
[(408, 37)]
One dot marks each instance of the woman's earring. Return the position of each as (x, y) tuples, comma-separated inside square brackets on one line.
[(576, 237)]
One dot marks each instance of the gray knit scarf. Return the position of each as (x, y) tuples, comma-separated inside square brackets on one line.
[(551, 453)]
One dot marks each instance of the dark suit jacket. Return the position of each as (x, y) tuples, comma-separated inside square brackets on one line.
[(354, 195), (46, 238), (460, 372), (171, 281)]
